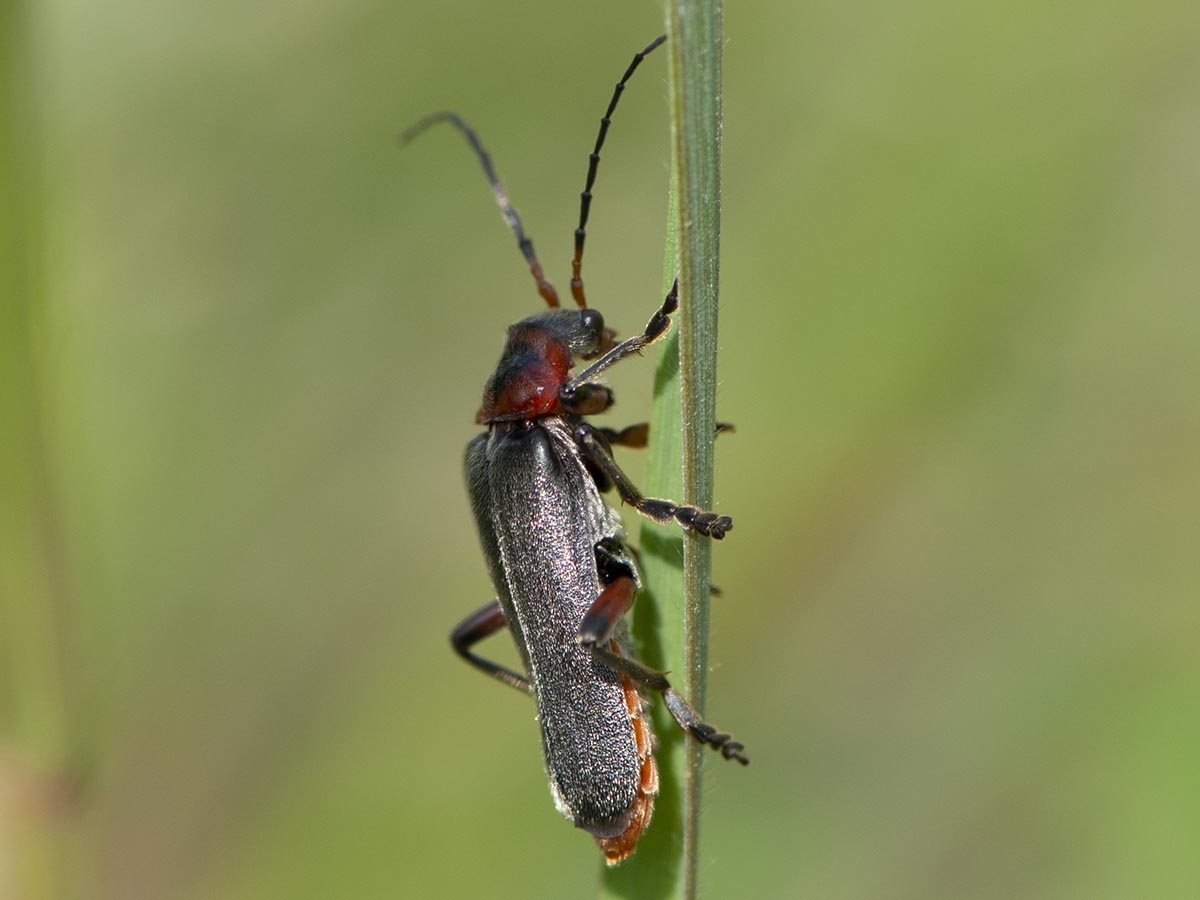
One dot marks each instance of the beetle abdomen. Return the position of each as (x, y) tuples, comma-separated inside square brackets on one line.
[(619, 846), (591, 750)]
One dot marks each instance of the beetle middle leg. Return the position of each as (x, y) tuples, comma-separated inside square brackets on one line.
[(595, 634), (484, 622), (698, 520), (637, 436)]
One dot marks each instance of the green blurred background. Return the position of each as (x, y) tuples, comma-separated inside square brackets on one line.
[(244, 336)]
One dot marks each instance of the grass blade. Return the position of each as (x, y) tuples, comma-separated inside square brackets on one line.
[(674, 636)]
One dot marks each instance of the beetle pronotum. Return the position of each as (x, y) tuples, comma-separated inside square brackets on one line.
[(556, 553)]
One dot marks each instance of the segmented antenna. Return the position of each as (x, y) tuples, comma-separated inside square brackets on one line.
[(585, 198), (545, 288)]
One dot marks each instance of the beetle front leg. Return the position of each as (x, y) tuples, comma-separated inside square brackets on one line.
[(595, 634), (571, 393), (697, 520), (485, 621)]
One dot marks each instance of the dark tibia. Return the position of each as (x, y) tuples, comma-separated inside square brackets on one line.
[(689, 517), (485, 621), (595, 633)]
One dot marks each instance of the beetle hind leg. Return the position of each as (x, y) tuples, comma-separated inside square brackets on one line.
[(596, 631), (681, 711), (485, 621), (689, 720)]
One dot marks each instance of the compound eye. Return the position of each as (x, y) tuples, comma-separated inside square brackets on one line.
[(592, 322)]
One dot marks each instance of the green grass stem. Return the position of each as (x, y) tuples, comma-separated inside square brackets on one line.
[(673, 632)]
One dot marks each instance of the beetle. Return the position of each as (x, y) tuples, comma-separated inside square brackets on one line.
[(557, 556)]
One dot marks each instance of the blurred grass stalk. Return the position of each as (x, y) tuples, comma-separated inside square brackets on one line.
[(681, 452), (34, 743)]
